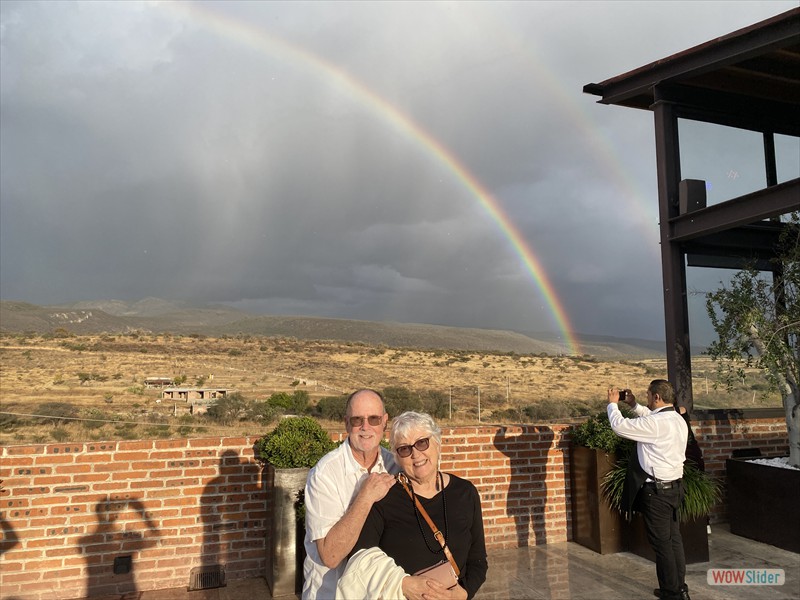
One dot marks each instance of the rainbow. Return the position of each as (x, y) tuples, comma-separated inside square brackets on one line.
[(575, 106), (250, 36)]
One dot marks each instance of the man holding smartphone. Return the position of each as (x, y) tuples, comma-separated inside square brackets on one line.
[(656, 477)]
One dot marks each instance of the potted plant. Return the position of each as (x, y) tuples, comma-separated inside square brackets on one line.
[(701, 492), (594, 452), (288, 452), (599, 460)]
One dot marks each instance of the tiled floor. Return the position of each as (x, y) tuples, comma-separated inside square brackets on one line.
[(570, 571)]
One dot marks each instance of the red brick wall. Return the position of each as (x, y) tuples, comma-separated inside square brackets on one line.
[(721, 432), (68, 510)]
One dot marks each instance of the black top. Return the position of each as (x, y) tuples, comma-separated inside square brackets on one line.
[(392, 525)]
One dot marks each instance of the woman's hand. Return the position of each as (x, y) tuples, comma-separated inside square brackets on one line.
[(414, 586), (436, 591), (417, 587)]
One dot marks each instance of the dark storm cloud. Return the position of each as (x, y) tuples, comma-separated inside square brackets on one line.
[(258, 154)]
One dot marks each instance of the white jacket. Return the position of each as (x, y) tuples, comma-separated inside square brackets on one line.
[(371, 574)]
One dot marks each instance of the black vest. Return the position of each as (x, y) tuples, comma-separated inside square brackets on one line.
[(635, 476)]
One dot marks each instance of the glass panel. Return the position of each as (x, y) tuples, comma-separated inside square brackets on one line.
[(729, 160), (787, 156)]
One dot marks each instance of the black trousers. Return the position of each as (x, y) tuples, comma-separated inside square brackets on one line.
[(660, 511)]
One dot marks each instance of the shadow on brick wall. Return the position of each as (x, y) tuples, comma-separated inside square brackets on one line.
[(9, 539), (526, 481), (123, 529)]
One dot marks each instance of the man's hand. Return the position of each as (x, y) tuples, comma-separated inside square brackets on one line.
[(613, 395), (376, 486)]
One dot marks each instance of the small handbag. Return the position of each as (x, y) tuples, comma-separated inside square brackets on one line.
[(441, 572), (446, 571)]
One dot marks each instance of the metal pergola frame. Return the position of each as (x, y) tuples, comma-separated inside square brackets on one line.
[(749, 79)]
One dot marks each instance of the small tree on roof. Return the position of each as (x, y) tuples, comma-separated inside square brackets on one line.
[(757, 322)]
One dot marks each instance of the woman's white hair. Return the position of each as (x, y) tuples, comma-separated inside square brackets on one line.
[(414, 421)]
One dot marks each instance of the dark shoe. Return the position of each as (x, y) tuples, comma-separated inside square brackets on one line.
[(684, 592)]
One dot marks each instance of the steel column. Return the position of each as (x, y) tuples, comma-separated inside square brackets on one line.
[(673, 270)]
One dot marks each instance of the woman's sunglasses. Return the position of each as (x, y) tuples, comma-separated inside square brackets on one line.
[(373, 420), (405, 450)]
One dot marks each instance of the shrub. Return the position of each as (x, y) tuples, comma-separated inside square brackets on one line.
[(547, 409), (332, 408), (57, 413), (10, 422), (127, 431), (59, 434), (596, 433), (295, 442), (701, 491), (157, 431), (90, 416), (262, 411)]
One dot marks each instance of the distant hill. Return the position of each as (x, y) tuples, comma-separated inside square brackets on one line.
[(164, 316)]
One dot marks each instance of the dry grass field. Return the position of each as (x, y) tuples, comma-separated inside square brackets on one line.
[(101, 377)]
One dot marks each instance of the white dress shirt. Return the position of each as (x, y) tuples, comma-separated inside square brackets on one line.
[(661, 438), (330, 488)]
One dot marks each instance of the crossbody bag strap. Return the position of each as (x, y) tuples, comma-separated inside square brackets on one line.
[(436, 533)]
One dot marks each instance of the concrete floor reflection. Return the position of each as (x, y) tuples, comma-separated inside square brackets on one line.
[(568, 571)]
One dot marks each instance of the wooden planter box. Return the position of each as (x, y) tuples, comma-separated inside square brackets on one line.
[(694, 534), (594, 523), (762, 503)]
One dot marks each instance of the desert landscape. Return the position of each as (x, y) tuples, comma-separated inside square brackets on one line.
[(59, 386)]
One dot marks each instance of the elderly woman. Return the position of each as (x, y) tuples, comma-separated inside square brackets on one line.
[(397, 539)]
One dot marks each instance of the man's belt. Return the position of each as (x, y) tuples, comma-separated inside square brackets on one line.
[(664, 485)]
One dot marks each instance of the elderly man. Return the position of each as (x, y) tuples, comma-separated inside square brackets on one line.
[(654, 485), (341, 490)]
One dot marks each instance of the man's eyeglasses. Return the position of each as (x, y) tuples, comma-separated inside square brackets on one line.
[(405, 450), (373, 420)]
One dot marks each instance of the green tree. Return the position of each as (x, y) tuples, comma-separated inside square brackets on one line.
[(228, 409), (332, 407), (436, 404), (300, 399), (757, 321), (400, 399), (262, 411), (281, 400)]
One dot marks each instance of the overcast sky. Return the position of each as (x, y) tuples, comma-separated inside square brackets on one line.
[(359, 160)]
